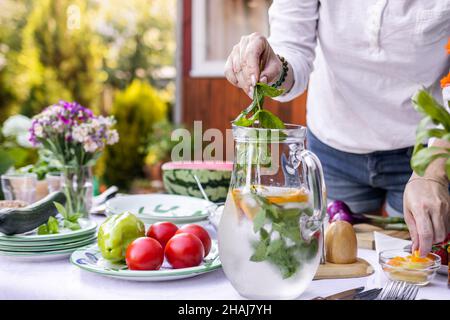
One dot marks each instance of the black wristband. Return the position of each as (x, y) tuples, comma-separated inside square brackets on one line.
[(284, 72)]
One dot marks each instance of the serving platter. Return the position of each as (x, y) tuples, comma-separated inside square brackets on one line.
[(90, 259)]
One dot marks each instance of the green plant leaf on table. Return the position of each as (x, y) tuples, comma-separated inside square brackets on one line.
[(70, 221), (51, 227)]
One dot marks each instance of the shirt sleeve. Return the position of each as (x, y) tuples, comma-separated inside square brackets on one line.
[(293, 34)]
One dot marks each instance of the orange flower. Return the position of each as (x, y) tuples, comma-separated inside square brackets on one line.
[(448, 46), (445, 81)]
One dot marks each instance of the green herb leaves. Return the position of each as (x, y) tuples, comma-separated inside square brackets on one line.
[(51, 227), (438, 115), (280, 241), (266, 119)]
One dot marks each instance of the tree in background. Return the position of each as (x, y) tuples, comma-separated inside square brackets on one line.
[(141, 38), (136, 110), (12, 20), (60, 57)]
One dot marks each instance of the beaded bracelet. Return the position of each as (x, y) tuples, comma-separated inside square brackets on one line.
[(284, 72)]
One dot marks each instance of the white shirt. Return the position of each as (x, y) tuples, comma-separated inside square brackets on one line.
[(370, 59)]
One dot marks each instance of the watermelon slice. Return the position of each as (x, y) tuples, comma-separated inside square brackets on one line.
[(214, 176)]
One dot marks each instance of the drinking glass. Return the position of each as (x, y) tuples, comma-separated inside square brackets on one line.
[(19, 186)]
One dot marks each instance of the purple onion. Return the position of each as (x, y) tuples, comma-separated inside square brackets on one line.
[(337, 206), (343, 216)]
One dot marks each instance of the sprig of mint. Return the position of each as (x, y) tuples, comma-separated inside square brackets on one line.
[(280, 241), (70, 221), (255, 112), (51, 227), (434, 113)]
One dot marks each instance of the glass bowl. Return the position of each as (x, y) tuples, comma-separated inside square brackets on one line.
[(416, 272)]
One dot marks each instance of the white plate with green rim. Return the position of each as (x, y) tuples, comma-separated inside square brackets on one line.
[(161, 207), (90, 259), (38, 256), (72, 245), (44, 243), (87, 226)]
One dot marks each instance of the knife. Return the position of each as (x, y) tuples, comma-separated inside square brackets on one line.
[(347, 294), (371, 294)]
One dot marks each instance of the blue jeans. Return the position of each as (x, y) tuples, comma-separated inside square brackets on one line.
[(364, 181)]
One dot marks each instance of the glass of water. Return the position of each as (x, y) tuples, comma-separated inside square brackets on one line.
[(53, 181), (20, 186)]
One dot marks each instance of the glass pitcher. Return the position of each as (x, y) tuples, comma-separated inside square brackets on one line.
[(270, 236)]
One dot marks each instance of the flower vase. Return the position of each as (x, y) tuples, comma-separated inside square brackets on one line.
[(77, 186)]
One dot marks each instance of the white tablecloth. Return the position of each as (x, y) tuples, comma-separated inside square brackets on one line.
[(61, 280)]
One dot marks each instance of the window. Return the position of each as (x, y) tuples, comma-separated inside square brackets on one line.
[(217, 25)]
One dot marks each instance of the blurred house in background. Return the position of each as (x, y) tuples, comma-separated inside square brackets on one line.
[(207, 31)]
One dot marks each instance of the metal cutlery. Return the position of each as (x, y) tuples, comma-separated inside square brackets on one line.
[(371, 294), (399, 290), (347, 294)]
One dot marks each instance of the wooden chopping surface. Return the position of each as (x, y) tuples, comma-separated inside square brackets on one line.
[(365, 237)]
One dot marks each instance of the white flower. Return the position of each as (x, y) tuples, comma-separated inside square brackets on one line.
[(23, 140), (90, 145), (112, 137), (38, 130), (16, 125), (80, 133)]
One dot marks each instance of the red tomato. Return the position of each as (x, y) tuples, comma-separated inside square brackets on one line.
[(200, 232), (144, 254), (184, 250), (162, 231)]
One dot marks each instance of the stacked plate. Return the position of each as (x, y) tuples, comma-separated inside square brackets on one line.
[(31, 246), (152, 208)]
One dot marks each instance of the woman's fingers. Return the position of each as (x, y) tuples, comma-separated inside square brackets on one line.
[(439, 220), (256, 46), (424, 230), (409, 219), (244, 64), (229, 73)]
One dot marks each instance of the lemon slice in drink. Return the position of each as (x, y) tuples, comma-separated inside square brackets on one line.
[(285, 195)]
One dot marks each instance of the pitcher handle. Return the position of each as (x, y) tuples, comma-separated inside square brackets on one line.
[(312, 168)]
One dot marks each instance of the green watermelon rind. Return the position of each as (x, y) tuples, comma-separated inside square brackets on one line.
[(181, 182)]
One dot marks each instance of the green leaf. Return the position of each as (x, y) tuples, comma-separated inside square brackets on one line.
[(259, 220), (260, 253), (422, 159), (61, 209), (72, 225), (426, 104), (52, 225), (74, 217), (42, 229), (270, 121), (268, 90)]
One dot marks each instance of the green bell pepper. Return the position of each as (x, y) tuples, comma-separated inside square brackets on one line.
[(116, 233)]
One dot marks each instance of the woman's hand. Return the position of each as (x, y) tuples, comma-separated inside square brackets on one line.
[(253, 60), (426, 204)]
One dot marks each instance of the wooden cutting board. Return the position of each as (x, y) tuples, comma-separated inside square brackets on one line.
[(365, 237), (361, 268)]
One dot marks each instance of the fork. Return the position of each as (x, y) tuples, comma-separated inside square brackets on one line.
[(399, 290)]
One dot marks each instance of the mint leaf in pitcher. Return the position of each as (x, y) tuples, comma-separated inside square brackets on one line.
[(264, 118)]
